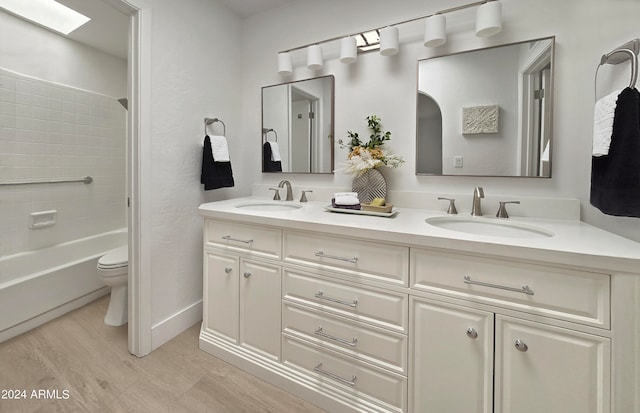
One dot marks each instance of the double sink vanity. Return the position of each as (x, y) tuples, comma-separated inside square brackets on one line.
[(424, 311)]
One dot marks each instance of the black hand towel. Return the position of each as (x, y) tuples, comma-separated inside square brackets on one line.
[(267, 164), (615, 178), (214, 174)]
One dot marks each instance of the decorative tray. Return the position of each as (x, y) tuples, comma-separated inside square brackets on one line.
[(361, 212)]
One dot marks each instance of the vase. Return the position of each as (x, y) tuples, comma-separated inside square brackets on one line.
[(371, 184)]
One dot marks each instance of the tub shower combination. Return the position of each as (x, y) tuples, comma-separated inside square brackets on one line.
[(37, 286)]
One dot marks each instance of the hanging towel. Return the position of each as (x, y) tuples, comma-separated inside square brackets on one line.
[(269, 165), (615, 178), (220, 149), (603, 115), (275, 152), (214, 174)]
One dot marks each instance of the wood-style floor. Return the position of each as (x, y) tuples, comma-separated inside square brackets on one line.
[(86, 366)]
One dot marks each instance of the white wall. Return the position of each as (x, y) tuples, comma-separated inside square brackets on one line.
[(386, 86), (195, 61), (59, 119)]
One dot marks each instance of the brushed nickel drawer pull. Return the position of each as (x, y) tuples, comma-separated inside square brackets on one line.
[(245, 241), (524, 289), (320, 370), (321, 254), (319, 332), (320, 295), (228, 270), (247, 274), (472, 333)]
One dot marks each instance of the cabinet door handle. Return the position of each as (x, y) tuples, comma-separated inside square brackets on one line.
[(228, 270), (247, 274), (320, 370), (472, 333), (320, 295), (244, 241), (319, 332), (321, 254), (521, 346), (524, 289)]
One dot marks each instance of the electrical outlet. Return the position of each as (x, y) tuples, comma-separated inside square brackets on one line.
[(457, 161)]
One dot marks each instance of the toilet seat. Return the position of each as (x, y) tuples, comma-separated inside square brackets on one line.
[(117, 258)]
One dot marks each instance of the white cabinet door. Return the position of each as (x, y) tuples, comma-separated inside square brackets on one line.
[(541, 368), (260, 308), (221, 295), (452, 352)]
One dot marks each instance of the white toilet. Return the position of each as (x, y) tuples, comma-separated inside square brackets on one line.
[(113, 270)]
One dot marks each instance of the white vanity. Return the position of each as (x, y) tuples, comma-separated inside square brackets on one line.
[(370, 314)]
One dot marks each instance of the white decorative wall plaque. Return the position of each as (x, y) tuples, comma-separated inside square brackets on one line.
[(480, 119)]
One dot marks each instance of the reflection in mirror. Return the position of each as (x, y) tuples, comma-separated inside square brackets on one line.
[(486, 112), (297, 126)]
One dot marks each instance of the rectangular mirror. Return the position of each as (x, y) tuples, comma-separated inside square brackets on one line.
[(487, 112), (297, 126)]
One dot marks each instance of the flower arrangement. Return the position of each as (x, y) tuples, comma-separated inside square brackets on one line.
[(365, 156)]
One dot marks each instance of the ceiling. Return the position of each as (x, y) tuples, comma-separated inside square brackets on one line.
[(105, 19)]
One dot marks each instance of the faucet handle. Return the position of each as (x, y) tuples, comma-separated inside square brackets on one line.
[(276, 195), (452, 205), (303, 196), (502, 209)]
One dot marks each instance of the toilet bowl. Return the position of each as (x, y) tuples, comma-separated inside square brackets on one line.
[(113, 270)]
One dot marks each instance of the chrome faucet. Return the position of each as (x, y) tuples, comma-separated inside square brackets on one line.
[(289, 191), (478, 194)]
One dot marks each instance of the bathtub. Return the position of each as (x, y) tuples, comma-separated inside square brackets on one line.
[(38, 286)]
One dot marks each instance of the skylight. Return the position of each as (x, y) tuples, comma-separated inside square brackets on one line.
[(48, 13), (368, 41)]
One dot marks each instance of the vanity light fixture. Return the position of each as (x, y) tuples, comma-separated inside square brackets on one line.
[(314, 57), (435, 30), (489, 19), (285, 68), (488, 23), (348, 50), (389, 41), (47, 13)]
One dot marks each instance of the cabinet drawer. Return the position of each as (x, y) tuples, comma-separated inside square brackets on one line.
[(355, 258), (383, 308), (365, 342), (243, 238), (576, 296), (376, 389)]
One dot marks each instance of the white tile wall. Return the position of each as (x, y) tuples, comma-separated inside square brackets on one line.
[(52, 131)]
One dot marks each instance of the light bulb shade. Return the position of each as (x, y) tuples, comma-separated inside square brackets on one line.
[(314, 57), (435, 30), (389, 43), (489, 19), (348, 50), (285, 67)]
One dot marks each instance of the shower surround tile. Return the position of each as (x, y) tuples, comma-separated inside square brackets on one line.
[(52, 131)]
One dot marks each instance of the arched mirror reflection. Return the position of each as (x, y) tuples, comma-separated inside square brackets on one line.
[(486, 112), (297, 126)]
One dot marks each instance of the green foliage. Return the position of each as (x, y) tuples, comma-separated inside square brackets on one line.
[(376, 139)]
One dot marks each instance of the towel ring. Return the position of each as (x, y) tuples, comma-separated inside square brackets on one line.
[(633, 57), (266, 131), (209, 121)]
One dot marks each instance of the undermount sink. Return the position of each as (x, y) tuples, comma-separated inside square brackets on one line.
[(489, 226), (268, 206)]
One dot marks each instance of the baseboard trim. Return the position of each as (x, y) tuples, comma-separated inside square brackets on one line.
[(175, 324)]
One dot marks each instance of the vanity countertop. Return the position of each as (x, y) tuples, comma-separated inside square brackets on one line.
[(574, 242)]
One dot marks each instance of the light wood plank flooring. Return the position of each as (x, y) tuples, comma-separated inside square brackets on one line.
[(78, 355)]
